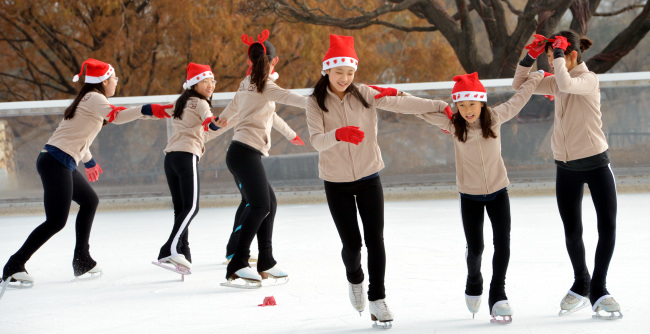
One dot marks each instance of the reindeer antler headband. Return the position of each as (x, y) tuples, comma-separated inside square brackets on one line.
[(261, 38)]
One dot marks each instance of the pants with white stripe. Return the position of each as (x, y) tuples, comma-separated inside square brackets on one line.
[(181, 169), (245, 164), (569, 190)]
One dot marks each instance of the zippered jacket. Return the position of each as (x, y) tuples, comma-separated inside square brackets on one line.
[(577, 126), (340, 161), (479, 166)]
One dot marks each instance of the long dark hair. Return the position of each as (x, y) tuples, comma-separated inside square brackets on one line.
[(261, 61), (460, 124), (575, 40), (320, 92), (85, 89), (180, 103)]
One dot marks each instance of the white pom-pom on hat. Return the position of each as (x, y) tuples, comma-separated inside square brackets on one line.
[(75, 78)]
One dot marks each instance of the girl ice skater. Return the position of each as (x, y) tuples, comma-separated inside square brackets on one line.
[(182, 154), (57, 163), (482, 179), (580, 153), (252, 114), (342, 120)]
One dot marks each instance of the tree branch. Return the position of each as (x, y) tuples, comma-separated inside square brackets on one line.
[(620, 11)]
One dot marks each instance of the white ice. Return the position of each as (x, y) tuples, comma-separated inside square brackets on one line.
[(425, 274)]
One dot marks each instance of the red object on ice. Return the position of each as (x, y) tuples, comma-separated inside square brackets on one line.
[(268, 301)]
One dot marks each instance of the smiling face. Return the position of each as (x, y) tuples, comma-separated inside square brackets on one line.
[(340, 79), (205, 87), (110, 85), (470, 110)]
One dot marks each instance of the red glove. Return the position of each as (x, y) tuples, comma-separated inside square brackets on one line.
[(297, 141), (116, 110), (546, 74), (92, 173), (159, 110), (449, 112), (389, 91), (350, 134), (206, 123), (538, 46), (561, 43)]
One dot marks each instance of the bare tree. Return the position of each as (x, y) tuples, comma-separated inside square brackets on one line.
[(505, 45)]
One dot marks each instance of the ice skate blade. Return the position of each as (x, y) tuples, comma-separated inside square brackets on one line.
[(383, 324), (580, 306), (13, 283), (504, 320), (612, 315), (275, 281), (88, 276), (177, 268), (249, 284), (3, 288)]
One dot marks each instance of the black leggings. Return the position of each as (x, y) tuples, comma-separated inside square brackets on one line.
[(569, 190), (61, 186), (181, 169), (498, 211), (233, 241), (257, 217), (343, 200)]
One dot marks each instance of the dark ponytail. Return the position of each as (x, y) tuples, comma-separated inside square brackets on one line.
[(85, 89), (460, 124), (261, 61), (320, 92), (575, 40), (180, 103)]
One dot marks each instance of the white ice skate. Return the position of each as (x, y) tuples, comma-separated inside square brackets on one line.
[(572, 303), (503, 310), (21, 280), (473, 304), (380, 314), (94, 273), (280, 276), (357, 296), (251, 279), (608, 304), (177, 264)]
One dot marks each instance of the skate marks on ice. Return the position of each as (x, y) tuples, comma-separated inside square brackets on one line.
[(177, 268)]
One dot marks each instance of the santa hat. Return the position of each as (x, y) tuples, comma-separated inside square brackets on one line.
[(196, 73), (468, 88), (96, 71), (340, 53)]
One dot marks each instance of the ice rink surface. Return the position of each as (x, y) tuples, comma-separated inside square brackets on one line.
[(425, 276)]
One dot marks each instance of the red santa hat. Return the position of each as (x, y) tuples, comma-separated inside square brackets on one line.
[(96, 71), (340, 53), (196, 73), (468, 88)]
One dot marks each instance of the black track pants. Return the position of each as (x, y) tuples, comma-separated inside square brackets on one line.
[(343, 200), (181, 169)]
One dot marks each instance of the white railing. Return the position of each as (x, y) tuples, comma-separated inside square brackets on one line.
[(53, 107)]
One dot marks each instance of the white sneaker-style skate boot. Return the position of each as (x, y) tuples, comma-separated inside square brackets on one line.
[(501, 309), (178, 260), (357, 296), (250, 277), (94, 273), (572, 303), (26, 281), (379, 312), (473, 304), (278, 274), (608, 304)]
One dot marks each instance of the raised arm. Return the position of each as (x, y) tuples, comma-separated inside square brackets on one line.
[(513, 106), (581, 85)]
